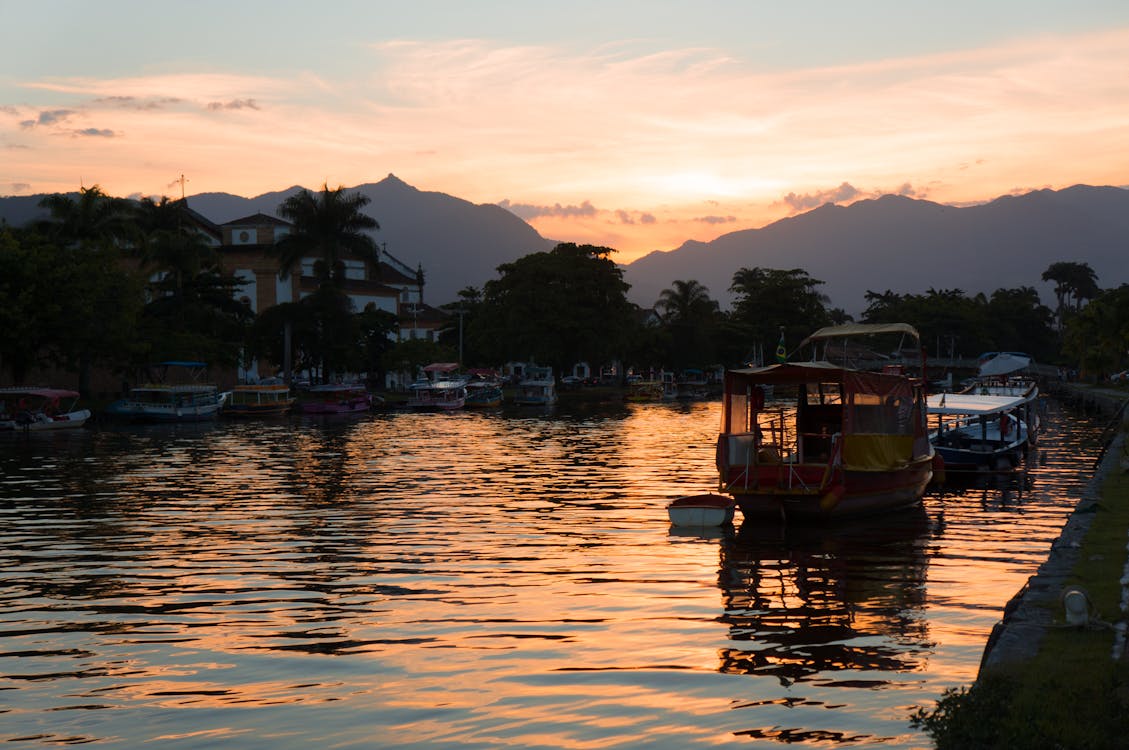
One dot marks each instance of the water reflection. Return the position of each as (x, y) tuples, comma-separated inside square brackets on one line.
[(806, 602), (476, 580)]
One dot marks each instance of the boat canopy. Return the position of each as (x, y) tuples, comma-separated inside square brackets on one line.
[(860, 329), (47, 393), (970, 404), (442, 367), (1004, 363)]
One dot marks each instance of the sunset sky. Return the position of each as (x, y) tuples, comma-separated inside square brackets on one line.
[(635, 125)]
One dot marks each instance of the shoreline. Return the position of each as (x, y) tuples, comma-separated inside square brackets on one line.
[(1030, 613)]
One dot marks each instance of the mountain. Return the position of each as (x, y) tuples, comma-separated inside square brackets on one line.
[(889, 243), (909, 246), (458, 243)]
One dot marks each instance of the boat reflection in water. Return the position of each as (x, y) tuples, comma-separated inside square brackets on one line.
[(820, 610)]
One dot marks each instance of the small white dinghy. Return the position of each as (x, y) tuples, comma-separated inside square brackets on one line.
[(701, 510)]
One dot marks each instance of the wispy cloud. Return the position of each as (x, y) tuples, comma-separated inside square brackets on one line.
[(233, 104)]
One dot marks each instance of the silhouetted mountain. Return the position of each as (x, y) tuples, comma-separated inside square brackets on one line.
[(459, 243), (890, 243), (909, 246)]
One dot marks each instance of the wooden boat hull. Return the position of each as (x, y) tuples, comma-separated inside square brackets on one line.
[(701, 510), (855, 493)]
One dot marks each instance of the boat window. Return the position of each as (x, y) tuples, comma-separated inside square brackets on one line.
[(824, 393)]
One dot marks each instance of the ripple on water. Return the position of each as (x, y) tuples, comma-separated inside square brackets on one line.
[(478, 579)]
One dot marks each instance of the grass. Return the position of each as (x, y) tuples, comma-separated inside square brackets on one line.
[(1073, 693)]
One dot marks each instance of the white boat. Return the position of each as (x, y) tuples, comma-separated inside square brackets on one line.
[(537, 388), (163, 401), (701, 510), (977, 432), (439, 388), (39, 409)]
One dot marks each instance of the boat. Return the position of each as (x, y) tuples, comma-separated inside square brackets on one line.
[(166, 401), (701, 510), (845, 435), (439, 388), (978, 432), (1002, 374), (484, 389), (335, 398), (40, 409), (258, 400), (537, 388), (644, 391)]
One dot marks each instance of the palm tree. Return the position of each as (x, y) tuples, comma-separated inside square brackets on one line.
[(93, 219), (328, 226), (1072, 280), (686, 301)]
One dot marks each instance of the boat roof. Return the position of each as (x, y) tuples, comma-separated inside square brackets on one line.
[(860, 329), (441, 367), (40, 392), (794, 372), (972, 404)]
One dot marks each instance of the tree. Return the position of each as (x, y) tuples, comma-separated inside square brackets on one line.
[(94, 219), (1097, 338), (769, 301), (329, 227), (1075, 281), (691, 319), (559, 307)]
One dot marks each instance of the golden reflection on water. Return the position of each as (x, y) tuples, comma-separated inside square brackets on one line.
[(481, 579)]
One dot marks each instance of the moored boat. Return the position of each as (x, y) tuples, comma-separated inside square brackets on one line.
[(978, 432), (439, 388), (484, 389), (537, 388), (838, 440), (335, 398), (258, 400), (40, 409), (701, 510), (166, 401)]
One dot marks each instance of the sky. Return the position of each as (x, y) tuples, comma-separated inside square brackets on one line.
[(632, 125)]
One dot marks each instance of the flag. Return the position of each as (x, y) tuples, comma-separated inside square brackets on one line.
[(781, 352)]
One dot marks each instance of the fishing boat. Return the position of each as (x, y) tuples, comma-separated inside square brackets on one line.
[(166, 401), (484, 389), (844, 436), (439, 388), (40, 409), (259, 400), (701, 510), (537, 388), (978, 432), (335, 398)]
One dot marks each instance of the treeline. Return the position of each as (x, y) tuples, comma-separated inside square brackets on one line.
[(110, 284)]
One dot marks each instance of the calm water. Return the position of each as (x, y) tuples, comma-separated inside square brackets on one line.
[(479, 580)]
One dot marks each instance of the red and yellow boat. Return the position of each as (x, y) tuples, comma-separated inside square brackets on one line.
[(844, 434)]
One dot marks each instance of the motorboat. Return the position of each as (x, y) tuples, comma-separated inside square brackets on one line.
[(166, 401), (978, 432), (40, 409), (537, 388), (439, 388), (259, 400), (335, 398), (844, 436)]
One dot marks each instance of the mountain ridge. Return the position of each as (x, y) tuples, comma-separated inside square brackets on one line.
[(889, 243)]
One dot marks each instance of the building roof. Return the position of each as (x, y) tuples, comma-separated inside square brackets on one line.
[(257, 220)]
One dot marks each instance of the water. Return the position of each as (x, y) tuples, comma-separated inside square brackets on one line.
[(480, 580)]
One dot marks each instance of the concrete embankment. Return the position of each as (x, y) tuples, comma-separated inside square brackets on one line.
[(1033, 609)]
